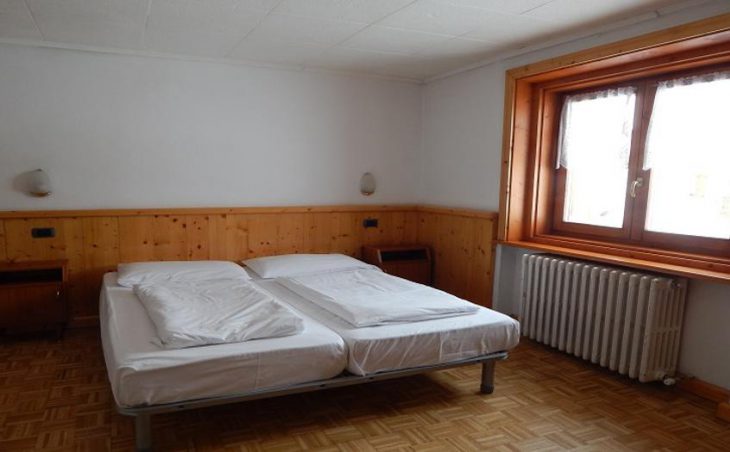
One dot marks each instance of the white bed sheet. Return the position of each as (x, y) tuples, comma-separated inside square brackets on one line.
[(398, 346), (216, 311), (367, 297), (142, 373)]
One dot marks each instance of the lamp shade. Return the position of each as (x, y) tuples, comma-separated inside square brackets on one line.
[(367, 184), (38, 183)]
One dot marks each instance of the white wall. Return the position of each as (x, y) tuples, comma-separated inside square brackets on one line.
[(462, 122), (462, 138), (123, 131)]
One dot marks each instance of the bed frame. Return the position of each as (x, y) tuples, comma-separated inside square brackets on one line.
[(142, 414)]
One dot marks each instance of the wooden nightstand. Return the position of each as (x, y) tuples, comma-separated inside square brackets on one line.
[(33, 296), (411, 262)]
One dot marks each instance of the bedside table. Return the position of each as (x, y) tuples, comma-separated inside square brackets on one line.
[(33, 296), (412, 262)]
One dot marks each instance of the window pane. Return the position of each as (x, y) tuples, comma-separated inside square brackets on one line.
[(688, 152), (595, 142)]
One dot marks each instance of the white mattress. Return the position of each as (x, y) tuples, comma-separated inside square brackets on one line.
[(141, 373), (399, 346), (370, 297)]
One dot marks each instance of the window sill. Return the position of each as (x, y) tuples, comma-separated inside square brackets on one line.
[(691, 266)]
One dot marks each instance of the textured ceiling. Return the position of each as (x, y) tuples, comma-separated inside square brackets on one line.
[(393, 38)]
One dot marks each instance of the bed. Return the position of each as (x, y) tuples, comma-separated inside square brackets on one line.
[(143, 374), (384, 348), (329, 352)]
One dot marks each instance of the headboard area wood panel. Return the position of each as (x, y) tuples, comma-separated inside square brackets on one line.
[(95, 241)]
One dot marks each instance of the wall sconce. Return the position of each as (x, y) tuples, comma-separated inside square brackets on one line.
[(39, 184), (367, 184)]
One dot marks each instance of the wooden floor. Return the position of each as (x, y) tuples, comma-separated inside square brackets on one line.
[(55, 396)]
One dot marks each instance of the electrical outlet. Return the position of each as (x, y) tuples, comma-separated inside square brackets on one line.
[(43, 233), (370, 223)]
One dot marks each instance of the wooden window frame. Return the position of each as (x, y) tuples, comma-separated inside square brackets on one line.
[(533, 97), (556, 211)]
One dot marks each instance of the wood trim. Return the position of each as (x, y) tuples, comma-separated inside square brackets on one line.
[(631, 46), (9, 214), (723, 411), (625, 261), (704, 389), (490, 264), (507, 141), (644, 251), (472, 213), (685, 47), (461, 212), (89, 321), (35, 265), (516, 138), (711, 392)]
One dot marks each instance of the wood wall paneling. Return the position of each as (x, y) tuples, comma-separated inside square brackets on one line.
[(262, 235), (3, 253), (346, 233), (136, 239), (100, 255), (463, 248), (228, 237), (318, 229), (290, 234), (481, 276), (94, 242)]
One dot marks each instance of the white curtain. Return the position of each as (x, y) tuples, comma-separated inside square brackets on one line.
[(597, 126), (688, 153), (693, 112)]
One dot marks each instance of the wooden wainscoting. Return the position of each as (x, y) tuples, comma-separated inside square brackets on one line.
[(708, 391), (463, 243), (94, 242)]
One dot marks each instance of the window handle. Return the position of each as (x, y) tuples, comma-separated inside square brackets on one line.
[(638, 183)]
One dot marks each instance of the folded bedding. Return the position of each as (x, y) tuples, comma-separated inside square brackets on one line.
[(368, 297), (216, 311)]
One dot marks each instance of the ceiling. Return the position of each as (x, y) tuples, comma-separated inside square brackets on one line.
[(409, 39)]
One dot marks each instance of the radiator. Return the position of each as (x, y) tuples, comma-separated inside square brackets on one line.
[(624, 320)]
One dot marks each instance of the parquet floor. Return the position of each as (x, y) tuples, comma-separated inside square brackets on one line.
[(55, 396)]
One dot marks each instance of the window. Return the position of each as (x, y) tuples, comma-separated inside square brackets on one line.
[(593, 149), (688, 157), (626, 174), (621, 153)]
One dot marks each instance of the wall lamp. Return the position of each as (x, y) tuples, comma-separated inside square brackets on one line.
[(367, 184), (39, 184)]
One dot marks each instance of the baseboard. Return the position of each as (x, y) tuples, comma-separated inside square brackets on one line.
[(723, 411), (711, 392), (90, 321), (704, 389)]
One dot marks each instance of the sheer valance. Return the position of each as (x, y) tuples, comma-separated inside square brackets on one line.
[(597, 125), (690, 116)]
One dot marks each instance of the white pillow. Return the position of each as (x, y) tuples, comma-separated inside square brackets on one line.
[(289, 265), (156, 272)]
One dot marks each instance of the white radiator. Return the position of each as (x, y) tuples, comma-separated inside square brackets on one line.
[(622, 319)]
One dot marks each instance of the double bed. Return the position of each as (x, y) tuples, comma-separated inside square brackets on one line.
[(329, 351)]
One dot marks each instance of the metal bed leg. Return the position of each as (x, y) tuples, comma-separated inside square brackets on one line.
[(487, 386), (143, 432)]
